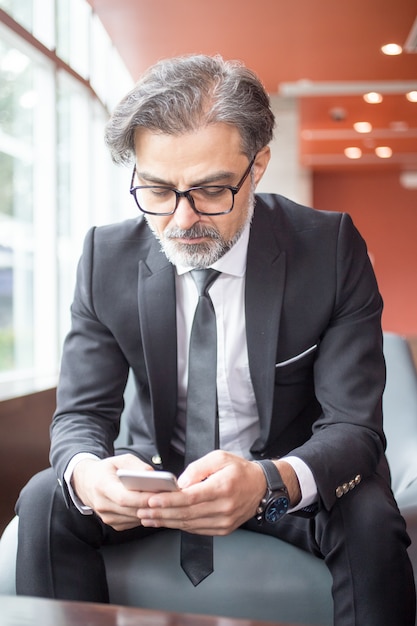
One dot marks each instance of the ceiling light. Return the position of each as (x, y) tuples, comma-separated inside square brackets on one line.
[(391, 49), (373, 97), (383, 152), (411, 96), (353, 153), (362, 127)]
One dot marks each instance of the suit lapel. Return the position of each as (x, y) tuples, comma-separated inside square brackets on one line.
[(265, 278), (157, 313)]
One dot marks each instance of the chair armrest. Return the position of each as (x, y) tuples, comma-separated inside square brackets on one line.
[(8, 549)]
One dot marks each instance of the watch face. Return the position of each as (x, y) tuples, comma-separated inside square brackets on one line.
[(276, 509)]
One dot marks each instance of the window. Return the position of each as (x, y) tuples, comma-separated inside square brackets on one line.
[(56, 178)]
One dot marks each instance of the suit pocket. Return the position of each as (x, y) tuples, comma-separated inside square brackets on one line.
[(297, 357), (297, 370)]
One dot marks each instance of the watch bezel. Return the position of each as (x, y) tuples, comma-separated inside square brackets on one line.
[(283, 497)]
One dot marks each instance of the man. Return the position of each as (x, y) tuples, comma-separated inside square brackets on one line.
[(300, 370)]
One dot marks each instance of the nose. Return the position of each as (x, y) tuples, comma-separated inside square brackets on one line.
[(185, 216)]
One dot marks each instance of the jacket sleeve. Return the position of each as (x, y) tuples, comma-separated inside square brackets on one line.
[(347, 441), (93, 374)]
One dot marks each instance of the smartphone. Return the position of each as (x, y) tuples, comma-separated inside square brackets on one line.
[(148, 480)]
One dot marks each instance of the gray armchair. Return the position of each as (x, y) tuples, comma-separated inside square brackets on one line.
[(257, 576)]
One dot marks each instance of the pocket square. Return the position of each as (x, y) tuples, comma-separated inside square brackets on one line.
[(297, 357)]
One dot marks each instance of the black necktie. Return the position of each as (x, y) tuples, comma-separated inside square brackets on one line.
[(201, 424)]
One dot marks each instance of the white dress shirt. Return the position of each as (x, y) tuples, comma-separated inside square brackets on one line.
[(238, 415)]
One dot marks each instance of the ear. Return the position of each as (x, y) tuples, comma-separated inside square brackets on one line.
[(261, 163)]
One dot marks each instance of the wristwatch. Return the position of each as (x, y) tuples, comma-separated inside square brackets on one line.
[(276, 500)]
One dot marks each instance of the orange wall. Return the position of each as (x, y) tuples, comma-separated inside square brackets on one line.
[(386, 215)]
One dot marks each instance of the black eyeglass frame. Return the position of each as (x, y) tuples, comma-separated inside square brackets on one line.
[(187, 193)]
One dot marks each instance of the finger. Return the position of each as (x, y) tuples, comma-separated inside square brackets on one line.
[(118, 516), (117, 502), (201, 526), (130, 461), (213, 514), (120, 522)]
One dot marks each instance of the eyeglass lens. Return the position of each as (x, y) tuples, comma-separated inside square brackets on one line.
[(160, 200)]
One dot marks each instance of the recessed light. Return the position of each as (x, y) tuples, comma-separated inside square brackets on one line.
[(383, 152), (373, 97), (353, 153), (362, 127), (391, 49), (411, 96)]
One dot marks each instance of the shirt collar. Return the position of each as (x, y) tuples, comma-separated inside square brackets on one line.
[(233, 262)]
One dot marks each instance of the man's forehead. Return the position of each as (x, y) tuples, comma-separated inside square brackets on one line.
[(200, 157), (217, 135)]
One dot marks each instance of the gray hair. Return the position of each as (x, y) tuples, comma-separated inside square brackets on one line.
[(183, 94)]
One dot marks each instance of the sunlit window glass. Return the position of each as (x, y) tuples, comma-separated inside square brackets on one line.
[(73, 26), (56, 177), (16, 209), (20, 10), (36, 16)]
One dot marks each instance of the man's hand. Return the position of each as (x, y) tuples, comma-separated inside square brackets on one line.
[(96, 484), (218, 493)]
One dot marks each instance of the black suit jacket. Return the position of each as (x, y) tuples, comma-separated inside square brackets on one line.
[(314, 342)]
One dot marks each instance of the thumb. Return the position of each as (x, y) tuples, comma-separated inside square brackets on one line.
[(196, 472)]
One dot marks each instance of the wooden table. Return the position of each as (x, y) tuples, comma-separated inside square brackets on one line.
[(25, 611)]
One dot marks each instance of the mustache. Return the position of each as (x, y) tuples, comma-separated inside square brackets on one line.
[(196, 231)]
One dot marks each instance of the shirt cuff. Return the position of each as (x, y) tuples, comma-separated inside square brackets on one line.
[(306, 480), (85, 510)]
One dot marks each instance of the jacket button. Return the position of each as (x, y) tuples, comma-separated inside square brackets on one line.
[(156, 459)]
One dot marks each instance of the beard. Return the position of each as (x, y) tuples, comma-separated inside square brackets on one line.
[(203, 254)]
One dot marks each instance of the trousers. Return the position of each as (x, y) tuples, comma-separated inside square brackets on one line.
[(362, 539)]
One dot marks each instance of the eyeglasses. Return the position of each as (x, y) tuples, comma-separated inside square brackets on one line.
[(205, 200)]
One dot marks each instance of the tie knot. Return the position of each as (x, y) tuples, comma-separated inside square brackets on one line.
[(204, 279)]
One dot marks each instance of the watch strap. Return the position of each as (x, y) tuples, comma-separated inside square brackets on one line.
[(273, 477)]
